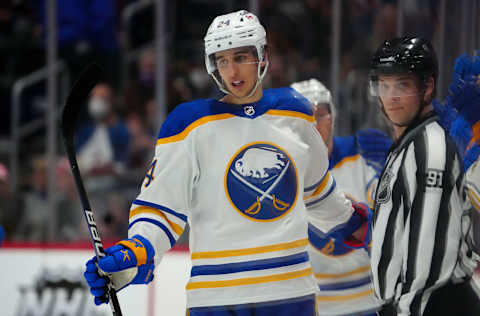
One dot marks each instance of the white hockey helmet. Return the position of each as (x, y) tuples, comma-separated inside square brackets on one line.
[(233, 30), (316, 93)]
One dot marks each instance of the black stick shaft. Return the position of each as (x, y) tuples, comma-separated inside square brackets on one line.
[(92, 226), (80, 91)]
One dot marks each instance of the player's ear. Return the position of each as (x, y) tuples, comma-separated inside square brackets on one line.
[(429, 85)]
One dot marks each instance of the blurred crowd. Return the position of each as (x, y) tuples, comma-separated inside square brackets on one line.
[(117, 132)]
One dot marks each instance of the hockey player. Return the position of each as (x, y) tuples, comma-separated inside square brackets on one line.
[(244, 171), (460, 114), (421, 262), (343, 274)]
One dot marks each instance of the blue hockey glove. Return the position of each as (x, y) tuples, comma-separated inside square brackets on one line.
[(462, 133), (366, 214), (464, 91), (373, 146), (130, 261), (471, 156), (446, 114)]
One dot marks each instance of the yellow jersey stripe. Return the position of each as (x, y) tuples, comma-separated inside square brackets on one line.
[(320, 187), (309, 118), (249, 251), (476, 132), (341, 275), (346, 159), (474, 199), (370, 196), (344, 297), (147, 209), (192, 126), (248, 281)]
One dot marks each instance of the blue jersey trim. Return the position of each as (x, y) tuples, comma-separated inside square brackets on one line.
[(341, 231), (273, 99), (249, 265), (314, 186), (332, 187), (160, 207), (160, 225), (318, 240), (342, 147), (294, 305), (345, 285)]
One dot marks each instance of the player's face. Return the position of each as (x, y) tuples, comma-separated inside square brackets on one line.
[(400, 96), (323, 119), (238, 68)]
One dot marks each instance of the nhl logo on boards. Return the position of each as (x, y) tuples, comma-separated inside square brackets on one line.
[(249, 110), (261, 182)]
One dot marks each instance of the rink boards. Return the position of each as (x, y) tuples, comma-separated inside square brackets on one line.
[(47, 281)]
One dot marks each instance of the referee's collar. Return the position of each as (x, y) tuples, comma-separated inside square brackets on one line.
[(412, 130)]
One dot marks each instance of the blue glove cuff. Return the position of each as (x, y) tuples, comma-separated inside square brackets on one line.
[(140, 246)]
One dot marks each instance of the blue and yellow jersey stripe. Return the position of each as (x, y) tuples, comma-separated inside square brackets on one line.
[(204, 120), (346, 297), (324, 188), (170, 222), (474, 195), (249, 280), (346, 159), (250, 251), (186, 117), (270, 263)]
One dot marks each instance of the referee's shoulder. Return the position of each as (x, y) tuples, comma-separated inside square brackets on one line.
[(435, 133), (437, 140)]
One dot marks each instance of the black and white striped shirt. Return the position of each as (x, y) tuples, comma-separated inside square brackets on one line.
[(418, 239)]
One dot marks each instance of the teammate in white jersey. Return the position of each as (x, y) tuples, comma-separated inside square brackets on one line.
[(343, 274), (247, 172), (460, 114)]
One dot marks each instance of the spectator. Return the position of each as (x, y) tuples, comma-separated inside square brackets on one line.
[(69, 209), (33, 223), (102, 144), (141, 87), (10, 206), (86, 32), (142, 138)]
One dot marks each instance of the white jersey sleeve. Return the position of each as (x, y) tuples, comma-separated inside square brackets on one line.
[(472, 180), (328, 208), (160, 211)]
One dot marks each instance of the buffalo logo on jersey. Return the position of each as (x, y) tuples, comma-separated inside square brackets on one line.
[(261, 182)]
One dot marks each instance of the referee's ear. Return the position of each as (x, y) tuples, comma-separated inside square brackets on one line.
[(429, 89)]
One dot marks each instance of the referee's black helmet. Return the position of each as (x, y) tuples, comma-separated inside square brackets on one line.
[(405, 55)]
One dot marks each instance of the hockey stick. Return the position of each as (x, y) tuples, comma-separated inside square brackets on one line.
[(89, 77)]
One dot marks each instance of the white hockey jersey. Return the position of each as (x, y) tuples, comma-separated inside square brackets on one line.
[(343, 274), (472, 177), (472, 184), (241, 175)]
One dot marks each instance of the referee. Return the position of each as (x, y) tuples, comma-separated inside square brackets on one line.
[(420, 258)]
